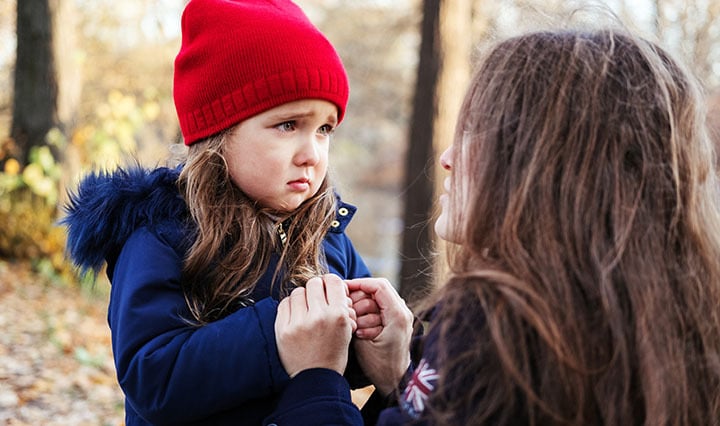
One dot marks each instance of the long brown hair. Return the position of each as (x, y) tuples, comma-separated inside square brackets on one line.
[(586, 289), (235, 238)]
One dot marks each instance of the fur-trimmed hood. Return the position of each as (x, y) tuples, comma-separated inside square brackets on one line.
[(108, 207)]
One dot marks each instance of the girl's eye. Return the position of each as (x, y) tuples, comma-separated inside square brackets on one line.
[(325, 129), (287, 126)]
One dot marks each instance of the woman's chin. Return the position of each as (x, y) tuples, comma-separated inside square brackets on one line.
[(441, 227)]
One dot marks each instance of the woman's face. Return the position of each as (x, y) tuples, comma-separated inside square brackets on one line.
[(444, 222), (279, 157)]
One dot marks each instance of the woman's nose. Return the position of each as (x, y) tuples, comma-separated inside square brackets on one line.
[(446, 158)]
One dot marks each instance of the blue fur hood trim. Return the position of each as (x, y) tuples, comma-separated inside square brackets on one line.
[(108, 207)]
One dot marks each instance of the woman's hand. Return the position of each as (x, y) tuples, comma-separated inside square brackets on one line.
[(385, 357), (314, 326)]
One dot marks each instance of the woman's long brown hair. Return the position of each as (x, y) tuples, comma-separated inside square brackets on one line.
[(586, 289), (235, 238)]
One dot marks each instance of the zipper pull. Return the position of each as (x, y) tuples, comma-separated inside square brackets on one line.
[(281, 233)]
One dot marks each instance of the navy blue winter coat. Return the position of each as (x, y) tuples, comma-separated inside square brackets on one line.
[(226, 372)]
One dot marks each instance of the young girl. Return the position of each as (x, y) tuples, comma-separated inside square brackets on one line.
[(198, 256), (585, 289)]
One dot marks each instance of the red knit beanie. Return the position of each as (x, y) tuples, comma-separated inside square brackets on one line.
[(241, 57)]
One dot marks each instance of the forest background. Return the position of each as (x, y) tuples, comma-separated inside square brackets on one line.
[(108, 98)]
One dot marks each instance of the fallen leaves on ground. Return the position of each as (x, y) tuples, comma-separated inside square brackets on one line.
[(55, 358)]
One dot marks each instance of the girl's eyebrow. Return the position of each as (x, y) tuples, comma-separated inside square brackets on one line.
[(294, 115), (285, 115)]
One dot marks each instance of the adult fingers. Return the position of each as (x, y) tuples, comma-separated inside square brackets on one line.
[(283, 312), (298, 305), (379, 288), (338, 299), (315, 293), (353, 319), (335, 289)]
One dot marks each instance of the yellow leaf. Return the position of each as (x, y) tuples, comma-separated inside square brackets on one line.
[(32, 174), (82, 135), (151, 110), (12, 167)]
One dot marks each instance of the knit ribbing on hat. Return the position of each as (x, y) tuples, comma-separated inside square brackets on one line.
[(241, 57)]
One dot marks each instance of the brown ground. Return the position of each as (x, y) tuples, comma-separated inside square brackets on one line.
[(55, 361)]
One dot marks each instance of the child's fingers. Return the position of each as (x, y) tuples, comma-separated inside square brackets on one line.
[(368, 333), (366, 306), (369, 321), (359, 295)]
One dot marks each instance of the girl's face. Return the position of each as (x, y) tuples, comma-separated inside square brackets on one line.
[(279, 157)]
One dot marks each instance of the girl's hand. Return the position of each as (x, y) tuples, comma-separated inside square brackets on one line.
[(369, 322), (314, 326)]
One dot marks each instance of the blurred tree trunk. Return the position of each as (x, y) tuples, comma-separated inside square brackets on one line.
[(68, 67), (69, 77), (35, 95), (441, 77), (415, 269)]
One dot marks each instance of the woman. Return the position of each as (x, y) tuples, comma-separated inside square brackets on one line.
[(585, 275)]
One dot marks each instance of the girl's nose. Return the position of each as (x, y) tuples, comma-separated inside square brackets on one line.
[(308, 152)]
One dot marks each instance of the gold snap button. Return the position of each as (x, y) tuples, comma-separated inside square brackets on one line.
[(342, 211), (335, 224)]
